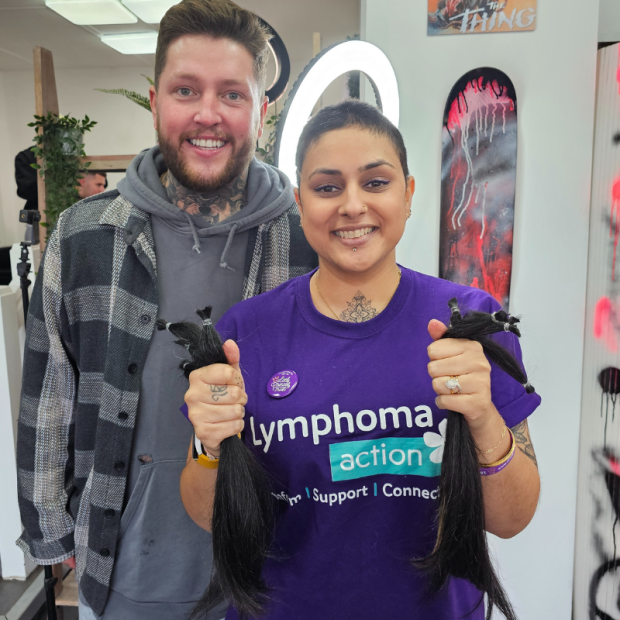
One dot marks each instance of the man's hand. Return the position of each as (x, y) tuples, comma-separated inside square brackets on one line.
[(464, 359), (215, 400)]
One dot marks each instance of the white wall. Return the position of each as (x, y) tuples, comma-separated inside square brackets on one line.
[(553, 70), (122, 126)]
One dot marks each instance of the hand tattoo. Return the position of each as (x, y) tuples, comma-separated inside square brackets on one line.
[(523, 441), (218, 391), (358, 310), (214, 207)]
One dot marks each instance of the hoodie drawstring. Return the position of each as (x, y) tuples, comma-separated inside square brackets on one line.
[(196, 246), (231, 234)]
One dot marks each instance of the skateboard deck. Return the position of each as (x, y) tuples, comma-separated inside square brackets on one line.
[(478, 180)]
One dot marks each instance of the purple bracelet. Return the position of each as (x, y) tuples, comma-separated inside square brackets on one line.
[(489, 471)]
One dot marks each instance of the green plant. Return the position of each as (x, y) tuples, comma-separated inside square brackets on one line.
[(141, 100), (60, 145), (267, 154)]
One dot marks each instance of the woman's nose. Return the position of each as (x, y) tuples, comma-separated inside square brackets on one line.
[(353, 205)]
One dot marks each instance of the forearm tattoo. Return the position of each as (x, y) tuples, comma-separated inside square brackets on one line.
[(358, 310), (218, 391), (213, 207), (523, 441)]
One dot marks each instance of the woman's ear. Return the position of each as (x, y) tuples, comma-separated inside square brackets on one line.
[(410, 189), (298, 201)]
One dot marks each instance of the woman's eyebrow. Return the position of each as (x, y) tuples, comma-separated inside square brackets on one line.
[(335, 172), (375, 164), (330, 171)]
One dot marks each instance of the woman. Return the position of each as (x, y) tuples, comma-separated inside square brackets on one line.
[(338, 401)]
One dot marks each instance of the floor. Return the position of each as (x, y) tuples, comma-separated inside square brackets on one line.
[(17, 601)]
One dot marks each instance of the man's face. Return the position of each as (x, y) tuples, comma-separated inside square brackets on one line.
[(207, 111), (90, 185)]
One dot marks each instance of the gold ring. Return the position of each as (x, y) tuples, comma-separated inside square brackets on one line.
[(453, 385)]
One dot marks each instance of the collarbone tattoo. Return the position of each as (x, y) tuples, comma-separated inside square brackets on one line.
[(213, 207), (359, 309)]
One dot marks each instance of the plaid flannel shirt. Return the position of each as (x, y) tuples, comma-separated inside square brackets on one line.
[(91, 318)]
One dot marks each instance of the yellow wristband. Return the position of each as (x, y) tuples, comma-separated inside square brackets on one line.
[(208, 463)]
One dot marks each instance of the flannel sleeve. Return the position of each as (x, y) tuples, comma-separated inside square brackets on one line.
[(46, 420)]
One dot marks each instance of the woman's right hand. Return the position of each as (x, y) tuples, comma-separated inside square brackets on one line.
[(216, 400)]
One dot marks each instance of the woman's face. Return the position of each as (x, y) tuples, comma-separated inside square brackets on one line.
[(353, 194)]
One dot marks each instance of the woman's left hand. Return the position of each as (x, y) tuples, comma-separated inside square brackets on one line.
[(465, 360)]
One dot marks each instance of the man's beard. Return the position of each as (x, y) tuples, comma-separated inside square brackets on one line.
[(191, 179)]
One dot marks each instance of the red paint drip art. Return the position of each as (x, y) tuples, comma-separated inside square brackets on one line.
[(614, 222)]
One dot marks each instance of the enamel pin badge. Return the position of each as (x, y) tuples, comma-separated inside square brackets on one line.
[(282, 383)]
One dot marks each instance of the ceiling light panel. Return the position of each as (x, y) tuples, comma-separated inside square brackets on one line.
[(136, 43), (92, 12), (149, 11)]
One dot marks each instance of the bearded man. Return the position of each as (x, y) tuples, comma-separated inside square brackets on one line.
[(197, 221)]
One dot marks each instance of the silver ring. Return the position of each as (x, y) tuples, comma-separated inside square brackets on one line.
[(453, 385)]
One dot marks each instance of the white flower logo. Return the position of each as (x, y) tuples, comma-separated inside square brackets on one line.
[(433, 440)]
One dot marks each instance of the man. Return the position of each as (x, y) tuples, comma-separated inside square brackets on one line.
[(93, 182), (197, 221)]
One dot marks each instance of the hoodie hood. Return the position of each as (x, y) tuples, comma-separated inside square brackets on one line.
[(269, 194)]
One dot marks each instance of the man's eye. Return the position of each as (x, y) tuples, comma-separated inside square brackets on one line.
[(185, 92), (233, 96)]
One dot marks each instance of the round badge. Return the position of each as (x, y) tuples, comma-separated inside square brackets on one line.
[(282, 383)]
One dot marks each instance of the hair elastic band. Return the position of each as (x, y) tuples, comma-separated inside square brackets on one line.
[(506, 324), (207, 322)]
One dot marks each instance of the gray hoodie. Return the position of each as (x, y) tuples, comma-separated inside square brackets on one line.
[(163, 559)]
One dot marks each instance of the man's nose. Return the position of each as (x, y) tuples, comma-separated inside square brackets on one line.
[(208, 112)]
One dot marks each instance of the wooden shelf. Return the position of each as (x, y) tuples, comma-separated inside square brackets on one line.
[(108, 163), (69, 594)]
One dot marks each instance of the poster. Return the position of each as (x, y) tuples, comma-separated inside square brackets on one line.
[(480, 16)]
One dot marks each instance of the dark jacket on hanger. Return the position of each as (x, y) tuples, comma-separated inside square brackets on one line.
[(26, 178)]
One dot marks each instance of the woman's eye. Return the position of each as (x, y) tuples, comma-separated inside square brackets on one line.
[(185, 92), (376, 183), (326, 189)]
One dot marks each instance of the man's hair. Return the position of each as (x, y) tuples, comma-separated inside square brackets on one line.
[(350, 113), (103, 173), (220, 19)]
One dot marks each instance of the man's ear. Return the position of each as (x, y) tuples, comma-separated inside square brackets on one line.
[(263, 114), (153, 100)]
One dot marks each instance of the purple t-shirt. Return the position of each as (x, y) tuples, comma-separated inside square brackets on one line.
[(355, 448)]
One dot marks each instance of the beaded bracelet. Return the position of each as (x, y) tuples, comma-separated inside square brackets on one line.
[(495, 468)]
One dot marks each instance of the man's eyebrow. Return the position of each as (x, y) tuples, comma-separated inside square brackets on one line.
[(375, 164), (329, 171), (184, 76)]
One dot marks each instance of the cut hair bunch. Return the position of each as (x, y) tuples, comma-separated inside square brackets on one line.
[(461, 549), (242, 522)]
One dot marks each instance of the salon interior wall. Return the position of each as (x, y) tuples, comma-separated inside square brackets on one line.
[(553, 70), (123, 127)]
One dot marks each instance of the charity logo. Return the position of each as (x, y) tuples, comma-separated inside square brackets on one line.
[(402, 456)]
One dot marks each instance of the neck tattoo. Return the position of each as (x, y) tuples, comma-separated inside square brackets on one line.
[(359, 309), (213, 207)]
